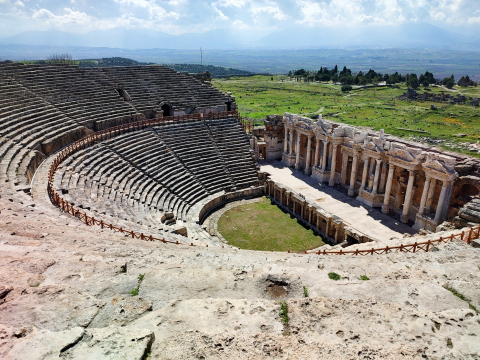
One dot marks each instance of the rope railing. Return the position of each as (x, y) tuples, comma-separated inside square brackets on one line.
[(65, 206)]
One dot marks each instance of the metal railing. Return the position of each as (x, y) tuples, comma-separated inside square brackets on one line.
[(473, 233)]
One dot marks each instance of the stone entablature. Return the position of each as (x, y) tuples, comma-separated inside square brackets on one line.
[(411, 181)]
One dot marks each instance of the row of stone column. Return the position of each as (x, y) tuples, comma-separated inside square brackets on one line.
[(318, 162), (303, 206)]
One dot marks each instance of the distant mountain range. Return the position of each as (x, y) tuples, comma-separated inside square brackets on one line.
[(408, 35)]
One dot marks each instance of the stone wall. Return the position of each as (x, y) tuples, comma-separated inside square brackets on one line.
[(332, 228)]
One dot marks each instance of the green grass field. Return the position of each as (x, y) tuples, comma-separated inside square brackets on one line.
[(256, 227), (375, 107)]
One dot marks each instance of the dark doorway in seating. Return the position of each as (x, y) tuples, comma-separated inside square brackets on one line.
[(351, 240), (166, 110), (229, 106)]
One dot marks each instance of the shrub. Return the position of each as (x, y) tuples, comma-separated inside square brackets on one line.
[(334, 276)]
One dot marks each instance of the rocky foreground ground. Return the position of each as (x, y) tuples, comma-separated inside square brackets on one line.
[(71, 291)]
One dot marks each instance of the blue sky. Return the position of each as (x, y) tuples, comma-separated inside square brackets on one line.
[(186, 16)]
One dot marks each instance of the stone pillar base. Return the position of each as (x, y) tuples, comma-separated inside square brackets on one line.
[(385, 209), (404, 218), (351, 192), (308, 171), (372, 200), (321, 175), (424, 222), (288, 159)]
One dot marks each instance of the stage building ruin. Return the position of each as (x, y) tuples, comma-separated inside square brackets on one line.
[(421, 185)]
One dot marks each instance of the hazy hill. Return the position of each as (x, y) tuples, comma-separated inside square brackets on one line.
[(408, 35)]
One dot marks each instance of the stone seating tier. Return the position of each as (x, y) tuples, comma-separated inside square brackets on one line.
[(142, 175)]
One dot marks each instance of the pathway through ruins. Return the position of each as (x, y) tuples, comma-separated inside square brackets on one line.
[(370, 221)]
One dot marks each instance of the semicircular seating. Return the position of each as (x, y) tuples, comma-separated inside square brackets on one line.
[(150, 179)]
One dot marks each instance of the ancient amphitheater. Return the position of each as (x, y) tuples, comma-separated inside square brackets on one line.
[(111, 184)]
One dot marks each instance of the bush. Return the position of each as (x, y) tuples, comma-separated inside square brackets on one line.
[(346, 88), (334, 276)]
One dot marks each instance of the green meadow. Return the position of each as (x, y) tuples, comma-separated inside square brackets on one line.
[(373, 107)]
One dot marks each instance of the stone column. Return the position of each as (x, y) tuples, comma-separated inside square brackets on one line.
[(309, 155), (324, 155), (317, 153), (329, 157), (302, 210), (318, 222), (441, 199), (290, 143), (423, 201), (353, 175), (285, 141), (377, 175), (327, 228), (337, 233), (386, 200), (408, 197), (365, 172), (297, 151), (344, 168), (448, 198), (431, 193), (310, 216), (332, 169), (383, 178), (281, 197)]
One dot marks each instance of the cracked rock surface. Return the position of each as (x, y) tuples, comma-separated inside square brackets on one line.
[(71, 291)]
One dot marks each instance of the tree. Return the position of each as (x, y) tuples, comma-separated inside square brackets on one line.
[(449, 82), (413, 81), (346, 88), (300, 72), (61, 59)]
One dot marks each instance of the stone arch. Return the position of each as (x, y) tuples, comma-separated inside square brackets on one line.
[(167, 109), (465, 189), (468, 184)]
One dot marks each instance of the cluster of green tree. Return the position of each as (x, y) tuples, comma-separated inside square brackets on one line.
[(347, 78), (466, 81), (109, 62), (215, 71)]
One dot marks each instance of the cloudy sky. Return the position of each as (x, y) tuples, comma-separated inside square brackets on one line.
[(185, 16)]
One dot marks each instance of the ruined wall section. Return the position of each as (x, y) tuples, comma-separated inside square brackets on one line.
[(423, 186)]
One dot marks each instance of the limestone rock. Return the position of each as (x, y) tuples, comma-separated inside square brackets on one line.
[(121, 310), (39, 307), (112, 343)]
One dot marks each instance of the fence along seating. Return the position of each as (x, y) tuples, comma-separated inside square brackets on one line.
[(80, 145), (144, 176)]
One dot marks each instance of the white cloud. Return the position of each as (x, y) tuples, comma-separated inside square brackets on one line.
[(221, 16), (474, 20), (234, 3), (19, 3), (259, 14), (69, 17), (239, 25)]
